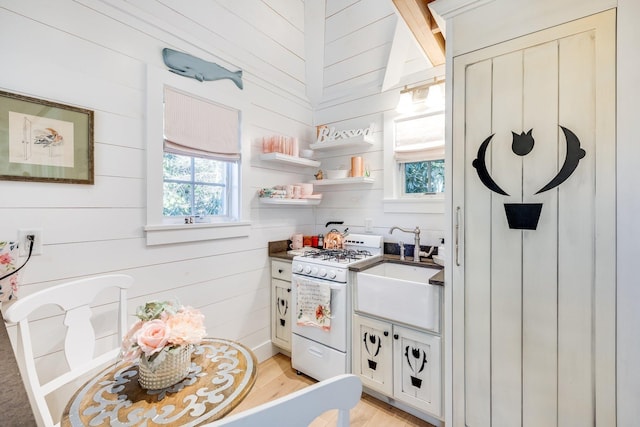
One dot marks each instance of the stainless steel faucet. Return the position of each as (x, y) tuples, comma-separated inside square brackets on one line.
[(416, 232)]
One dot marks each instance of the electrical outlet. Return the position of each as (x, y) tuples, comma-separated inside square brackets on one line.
[(368, 225), (25, 243)]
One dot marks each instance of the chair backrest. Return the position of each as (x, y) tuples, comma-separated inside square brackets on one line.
[(74, 298), (300, 408)]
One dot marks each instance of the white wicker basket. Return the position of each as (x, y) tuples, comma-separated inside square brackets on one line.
[(168, 372)]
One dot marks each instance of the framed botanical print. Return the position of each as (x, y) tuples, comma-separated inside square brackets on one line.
[(45, 141)]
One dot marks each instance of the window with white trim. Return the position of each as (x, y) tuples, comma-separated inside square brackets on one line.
[(217, 185), (200, 161), (414, 152), (419, 154)]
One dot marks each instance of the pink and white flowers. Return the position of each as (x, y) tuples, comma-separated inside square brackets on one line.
[(162, 325)]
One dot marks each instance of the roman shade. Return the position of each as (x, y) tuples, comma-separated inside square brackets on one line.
[(419, 138), (197, 127)]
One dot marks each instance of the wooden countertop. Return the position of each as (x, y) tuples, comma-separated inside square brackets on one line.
[(278, 249)]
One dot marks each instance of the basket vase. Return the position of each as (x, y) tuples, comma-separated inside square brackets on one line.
[(173, 368)]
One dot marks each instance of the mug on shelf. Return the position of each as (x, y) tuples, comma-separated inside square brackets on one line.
[(306, 189), (296, 241)]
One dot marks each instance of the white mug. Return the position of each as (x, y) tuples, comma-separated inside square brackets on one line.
[(290, 191), (296, 241), (306, 189)]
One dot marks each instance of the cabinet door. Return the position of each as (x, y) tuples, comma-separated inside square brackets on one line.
[(372, 353), (533, 302), (417, 370), (281, 314)]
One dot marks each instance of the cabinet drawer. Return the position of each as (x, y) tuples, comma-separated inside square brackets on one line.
[(281, 270)]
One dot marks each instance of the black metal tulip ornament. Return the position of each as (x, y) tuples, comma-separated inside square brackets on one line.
[(525, 216)]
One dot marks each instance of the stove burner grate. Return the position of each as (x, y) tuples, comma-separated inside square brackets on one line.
[(338, 255)]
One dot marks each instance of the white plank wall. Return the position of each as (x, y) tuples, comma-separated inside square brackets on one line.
[(88, 54), (94, 54)]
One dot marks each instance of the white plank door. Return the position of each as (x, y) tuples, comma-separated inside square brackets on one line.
[(534, 309)]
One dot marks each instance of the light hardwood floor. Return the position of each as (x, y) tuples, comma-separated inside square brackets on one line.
[(276, 378)]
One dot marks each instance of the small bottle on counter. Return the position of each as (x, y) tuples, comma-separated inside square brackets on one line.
[(320, 241)]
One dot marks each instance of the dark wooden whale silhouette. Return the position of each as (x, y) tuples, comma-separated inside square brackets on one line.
[(196, 68)]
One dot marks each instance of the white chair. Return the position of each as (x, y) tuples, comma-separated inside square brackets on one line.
[(300, 408), (75, 299)]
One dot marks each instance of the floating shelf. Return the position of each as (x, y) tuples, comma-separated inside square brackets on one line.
[(354, 141), (342, 181), (291, 160), (290, 202)]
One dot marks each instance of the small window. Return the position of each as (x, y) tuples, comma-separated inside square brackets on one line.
[(195, 186), (414, 152), (418, 150), (200, 159), (426, 177)]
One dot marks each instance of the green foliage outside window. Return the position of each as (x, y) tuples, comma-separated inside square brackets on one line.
[(424, 177), (193, 186)]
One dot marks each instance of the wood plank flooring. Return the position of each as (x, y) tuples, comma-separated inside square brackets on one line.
[(276, 378)]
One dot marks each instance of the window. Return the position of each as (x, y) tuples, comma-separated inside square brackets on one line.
[(195, 187), (194, 162), (418, 148), (201, 152), (414, 159), (426, 177)]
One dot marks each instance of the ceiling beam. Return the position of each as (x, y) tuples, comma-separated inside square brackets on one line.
[(424, 27)]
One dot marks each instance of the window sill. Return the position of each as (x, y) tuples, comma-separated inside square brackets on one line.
[(181, 233), (415, 205)]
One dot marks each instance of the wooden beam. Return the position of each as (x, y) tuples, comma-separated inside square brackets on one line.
[(424, 27)]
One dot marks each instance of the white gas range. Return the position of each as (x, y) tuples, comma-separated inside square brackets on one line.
[(321, 295)]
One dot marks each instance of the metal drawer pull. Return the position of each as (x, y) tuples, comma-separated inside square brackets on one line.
[(457, 239)]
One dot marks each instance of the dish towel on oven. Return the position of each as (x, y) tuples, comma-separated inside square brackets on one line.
[(313, 304)]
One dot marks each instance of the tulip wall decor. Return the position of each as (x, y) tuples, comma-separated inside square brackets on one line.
[(525, 216)]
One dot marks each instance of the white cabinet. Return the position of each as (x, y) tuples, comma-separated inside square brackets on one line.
[(372, 353), (399, 362), (281, 304), (417, 369)]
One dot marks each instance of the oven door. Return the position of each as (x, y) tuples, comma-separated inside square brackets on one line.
[(336, 336)]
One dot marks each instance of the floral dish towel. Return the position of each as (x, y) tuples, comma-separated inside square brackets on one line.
[(9, 262)]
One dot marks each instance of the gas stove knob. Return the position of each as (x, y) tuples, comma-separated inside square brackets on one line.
[(332, 274), (323, 272), (299, 268), (314, 271), (307, 269)]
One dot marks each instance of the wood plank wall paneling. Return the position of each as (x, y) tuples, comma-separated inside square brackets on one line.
[(89, 54)]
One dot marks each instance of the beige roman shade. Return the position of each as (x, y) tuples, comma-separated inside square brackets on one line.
[(197, 127), (420, 138)]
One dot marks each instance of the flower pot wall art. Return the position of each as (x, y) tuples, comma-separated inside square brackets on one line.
[(525, 216)]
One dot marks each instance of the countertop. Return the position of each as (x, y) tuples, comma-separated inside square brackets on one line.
[(278, 250), (437, 279)]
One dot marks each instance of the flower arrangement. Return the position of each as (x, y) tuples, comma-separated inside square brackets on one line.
[(162, 327)]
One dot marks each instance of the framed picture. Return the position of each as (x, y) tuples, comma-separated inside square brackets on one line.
[(45, 141)]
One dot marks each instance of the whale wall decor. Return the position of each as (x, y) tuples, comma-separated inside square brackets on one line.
[(189, 66), (525, 216)]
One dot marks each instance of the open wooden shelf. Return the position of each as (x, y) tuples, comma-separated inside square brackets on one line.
[(287, 159), (355, 141), (289, 202), (342, 181)]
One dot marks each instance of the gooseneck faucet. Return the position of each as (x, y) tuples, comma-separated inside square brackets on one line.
[(416, 232)]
